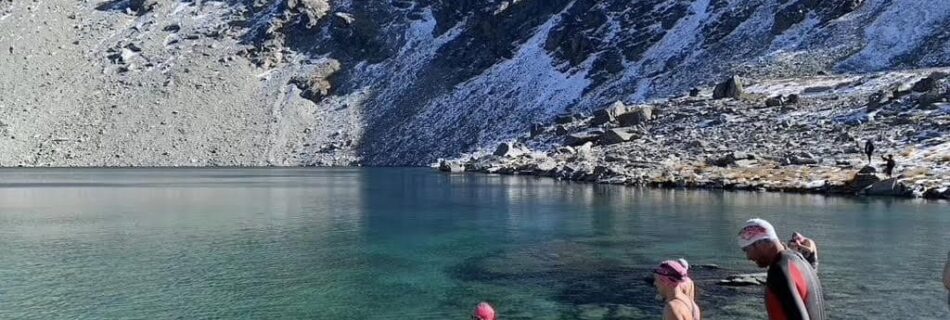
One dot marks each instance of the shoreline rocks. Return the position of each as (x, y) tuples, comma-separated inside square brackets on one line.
[(737, 144)]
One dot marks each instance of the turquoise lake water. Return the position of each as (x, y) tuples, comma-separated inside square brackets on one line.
[(417, 244)]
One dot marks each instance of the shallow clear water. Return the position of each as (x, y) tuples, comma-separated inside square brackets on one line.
[(415, 244)]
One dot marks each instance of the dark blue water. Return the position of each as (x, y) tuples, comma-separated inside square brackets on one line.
[(416, 244)]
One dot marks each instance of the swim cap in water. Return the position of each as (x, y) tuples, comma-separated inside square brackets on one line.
[(484, 311)]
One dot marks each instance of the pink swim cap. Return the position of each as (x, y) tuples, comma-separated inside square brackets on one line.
[(674, 270), (484, 311)]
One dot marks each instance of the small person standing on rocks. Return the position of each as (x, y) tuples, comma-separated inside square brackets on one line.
[(889, 164), (869, 150), (792, 289)]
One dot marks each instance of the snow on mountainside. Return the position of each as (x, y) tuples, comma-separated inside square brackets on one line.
[(316, 82)]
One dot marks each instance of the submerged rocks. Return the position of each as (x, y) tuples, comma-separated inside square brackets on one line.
[(744, 280), (730, 88)]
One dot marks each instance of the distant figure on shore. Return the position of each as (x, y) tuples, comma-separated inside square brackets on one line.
[(946, 278), (792, 289), (889, 165), (869, 150), (484, 311), (806, 247), (670, 279)]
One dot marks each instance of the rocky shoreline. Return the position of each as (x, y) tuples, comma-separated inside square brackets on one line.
[(802, 135)]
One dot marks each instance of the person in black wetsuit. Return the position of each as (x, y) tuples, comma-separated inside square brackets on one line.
[(869, 149), (792, 288), (889, 164)]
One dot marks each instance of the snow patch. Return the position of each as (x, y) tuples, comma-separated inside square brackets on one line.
[(526, 87), (896, 31)]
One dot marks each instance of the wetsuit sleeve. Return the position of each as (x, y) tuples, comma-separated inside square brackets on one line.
[(783, 286)]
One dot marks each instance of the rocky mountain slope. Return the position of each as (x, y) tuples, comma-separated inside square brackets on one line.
[(316, 82), (800, 135)]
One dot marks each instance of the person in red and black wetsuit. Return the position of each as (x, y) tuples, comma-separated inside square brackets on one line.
[(792, 288)]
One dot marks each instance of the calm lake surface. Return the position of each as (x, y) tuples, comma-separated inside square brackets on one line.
[(416, 244)]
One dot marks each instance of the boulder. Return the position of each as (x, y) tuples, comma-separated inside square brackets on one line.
[(545, 166), (316, 86), (564, 119), (867, 170), (889, 187), (585, 148), (937, 193), (636, 116), (930, 98), (566, 150), (776, 101), (451, 166), (802, 158), (877, 99), (508, 149), (730, 88), (560, 130), (614, 136), (730, 159), (537, 129), (863, 179), (580, 138), (694, 92), (923, 85), (792, 99), (609, 114), (142, 6), (314, 10)]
